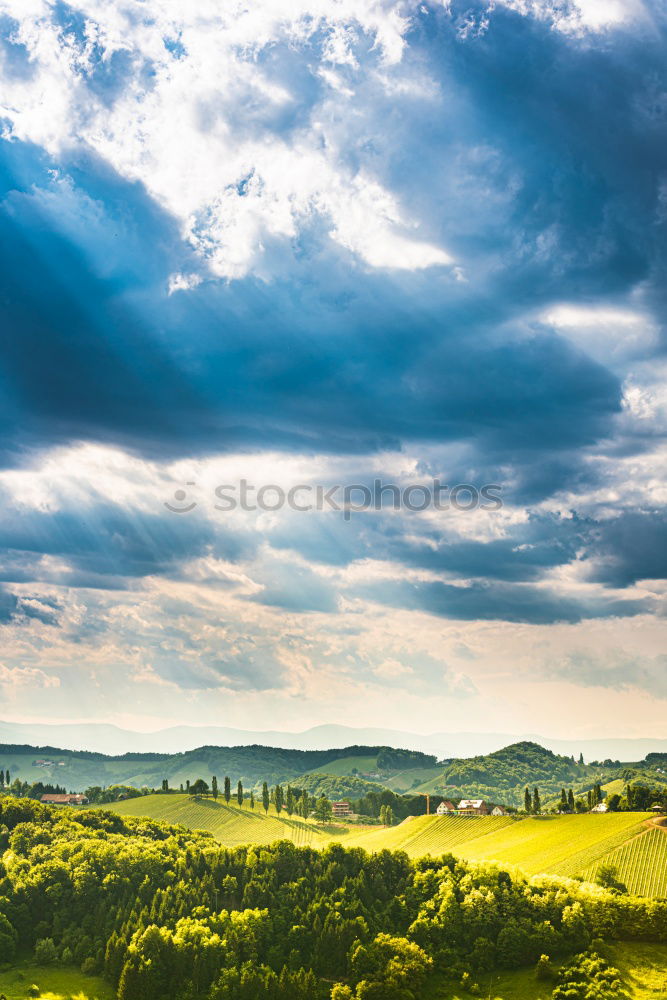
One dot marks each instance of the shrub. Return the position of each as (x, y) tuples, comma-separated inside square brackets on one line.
[(34, 990), (89, 966), (45, 951), (589, 977), (544, 969)]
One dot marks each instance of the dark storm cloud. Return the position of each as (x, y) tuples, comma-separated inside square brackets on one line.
[(631, 547), (501, 602), (539, 164), (357, 364)]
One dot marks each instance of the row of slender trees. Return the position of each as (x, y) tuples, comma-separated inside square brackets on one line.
[(568, 803), (294, 801)]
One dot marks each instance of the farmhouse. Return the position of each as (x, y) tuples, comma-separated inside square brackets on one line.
[(446, 808), (64, 800), (499, 811), (341, 809), (473, 807), (601, 807)]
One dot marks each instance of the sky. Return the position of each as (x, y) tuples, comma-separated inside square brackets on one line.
[(326, 244)]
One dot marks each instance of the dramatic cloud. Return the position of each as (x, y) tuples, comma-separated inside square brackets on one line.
[(322, 246)]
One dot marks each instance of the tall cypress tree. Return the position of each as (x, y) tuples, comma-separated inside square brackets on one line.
[(537, 805), (570, 800), (289, 801), (214, 787), (527, 801), (265, 797), (563, 800), (239, 793), (228, 790)]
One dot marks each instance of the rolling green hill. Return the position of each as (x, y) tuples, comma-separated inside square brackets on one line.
[(502, 776), (572, 846), (559, 845), (229, 824), (359, 773), (641, 864), (78, 770)]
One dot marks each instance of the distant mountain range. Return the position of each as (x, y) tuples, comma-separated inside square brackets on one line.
[(108, 739)]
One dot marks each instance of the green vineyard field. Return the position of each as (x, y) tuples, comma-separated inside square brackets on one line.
[(229, 824), (572, 846), (641, 864), (431, 834)]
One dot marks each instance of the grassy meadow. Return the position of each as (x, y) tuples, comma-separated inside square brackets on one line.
[(643, 969), (54, 982)]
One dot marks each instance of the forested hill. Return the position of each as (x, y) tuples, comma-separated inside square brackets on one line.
[(518, 764), (353, 770), (255, 764), (504, 775)]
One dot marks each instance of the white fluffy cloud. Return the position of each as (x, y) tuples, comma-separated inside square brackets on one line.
[(12, 678), (181, 98)]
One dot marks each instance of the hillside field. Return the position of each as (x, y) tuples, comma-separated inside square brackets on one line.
[(641, 864), (229, 824), (557, 845)]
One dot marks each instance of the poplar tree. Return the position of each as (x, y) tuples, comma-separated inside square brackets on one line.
[(265, 797), (289, 801)]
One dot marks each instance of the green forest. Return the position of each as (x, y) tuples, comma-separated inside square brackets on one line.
[(164, 913)]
